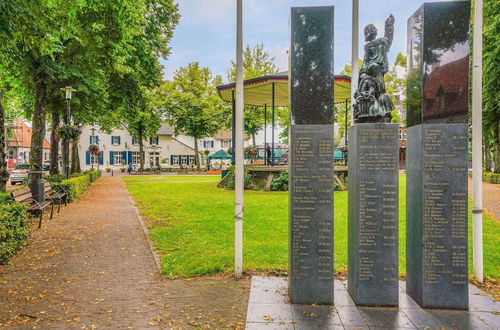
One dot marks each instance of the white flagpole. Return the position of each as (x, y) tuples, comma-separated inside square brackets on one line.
[(477, 138), (238, 146), (354, 52)]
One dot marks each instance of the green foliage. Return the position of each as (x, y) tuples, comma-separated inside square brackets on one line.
[(69, 133), (491, 177), (13, 227), (280, 183), (55, 178), (228, 181), (77, 185)]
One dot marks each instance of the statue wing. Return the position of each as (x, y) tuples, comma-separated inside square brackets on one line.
[(389, 30)]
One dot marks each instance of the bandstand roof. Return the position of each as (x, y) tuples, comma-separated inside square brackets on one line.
[(258, 91)]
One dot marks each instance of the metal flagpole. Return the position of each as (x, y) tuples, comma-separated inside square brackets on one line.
[(238, 187), (354, 52), (477, 138)]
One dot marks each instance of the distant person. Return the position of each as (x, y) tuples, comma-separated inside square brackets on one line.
[(268, 154), (130, 168)]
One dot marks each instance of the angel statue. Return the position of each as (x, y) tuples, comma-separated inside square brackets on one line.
[(372, 104)]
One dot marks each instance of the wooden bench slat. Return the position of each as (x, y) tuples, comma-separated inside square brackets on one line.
[(21, 192)]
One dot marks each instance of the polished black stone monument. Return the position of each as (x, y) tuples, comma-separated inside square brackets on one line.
[(437, 143), (311, 160), (373, 214)]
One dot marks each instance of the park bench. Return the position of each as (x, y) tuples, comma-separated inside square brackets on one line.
[(56, 196), (25, 197)]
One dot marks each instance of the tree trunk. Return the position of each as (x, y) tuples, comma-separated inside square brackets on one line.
[(253, 139), (141, 149), (4, 174), (197, 154), (487, 154), (496, 148), (54, 142), (38, 128), (75, 159)]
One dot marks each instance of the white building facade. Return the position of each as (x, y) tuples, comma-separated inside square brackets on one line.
[(118, 149)]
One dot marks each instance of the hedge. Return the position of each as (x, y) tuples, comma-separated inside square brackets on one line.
[(77, 185), (491, 177), (13, 227)]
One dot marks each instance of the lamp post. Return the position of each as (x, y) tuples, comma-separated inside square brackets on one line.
[(93, 139), (68, 90)]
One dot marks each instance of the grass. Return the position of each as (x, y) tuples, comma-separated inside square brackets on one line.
[(192, 227)]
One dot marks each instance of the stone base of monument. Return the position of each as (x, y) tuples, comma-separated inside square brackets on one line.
[(436, 204), (269, 307), (373, 214)]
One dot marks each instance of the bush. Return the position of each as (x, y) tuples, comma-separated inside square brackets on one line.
[(228, 180), (13, 227), (108, 170), (77, 185), (491, 177), (280, 183), (122, 169)]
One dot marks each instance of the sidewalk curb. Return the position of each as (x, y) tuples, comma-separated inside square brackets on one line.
[(145, 231)]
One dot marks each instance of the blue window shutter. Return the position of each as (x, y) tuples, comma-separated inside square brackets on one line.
[(150, 140), (111, 158), (180, 159), (101, 159), (87, 158), (187, 160), (124, 157), (212, 143), (171, 159), (119, 140), (204, 144), (90, 139), (129, 160)]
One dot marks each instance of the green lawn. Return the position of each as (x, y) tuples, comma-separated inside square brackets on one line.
[(193, 226)]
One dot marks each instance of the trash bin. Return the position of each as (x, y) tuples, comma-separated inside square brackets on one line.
[(224, 173), (36, 185)]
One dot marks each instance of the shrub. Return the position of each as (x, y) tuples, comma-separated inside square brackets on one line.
[(108, 170), (228, 180), (74, 187), (55, 178), (280, 183), (491, 177), (13, 227), (122, 169)]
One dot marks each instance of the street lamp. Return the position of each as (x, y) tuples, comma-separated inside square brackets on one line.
[(68, 90)]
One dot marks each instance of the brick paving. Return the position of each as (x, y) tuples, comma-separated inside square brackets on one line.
[(491, 198), (91, 267)]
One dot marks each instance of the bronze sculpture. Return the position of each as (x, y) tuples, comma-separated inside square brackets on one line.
[(372, 104)]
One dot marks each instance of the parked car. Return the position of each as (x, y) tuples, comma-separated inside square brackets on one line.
[(18, 174)]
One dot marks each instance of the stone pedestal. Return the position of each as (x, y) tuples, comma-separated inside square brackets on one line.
[(311, 156), (436, 204), (373, 214), (437, 143)]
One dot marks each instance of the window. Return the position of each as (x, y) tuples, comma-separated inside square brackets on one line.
[(11, 154), (135, 141), (117, 158), (94, 139), (402, 134), (94, 160), (225, 143), (175, 159), (115, 140), (136, 157), (46, 156), (153, 140), (184, 160)]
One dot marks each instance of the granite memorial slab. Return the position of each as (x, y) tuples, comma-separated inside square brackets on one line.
[(373, 214), (437, 154), (311, 160)]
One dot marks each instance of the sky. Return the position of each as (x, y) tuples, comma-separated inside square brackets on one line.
[(206, 31)]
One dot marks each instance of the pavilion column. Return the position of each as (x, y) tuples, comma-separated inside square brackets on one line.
[(272, 130), (265, 132)]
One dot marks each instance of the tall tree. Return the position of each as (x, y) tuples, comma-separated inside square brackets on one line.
[(257, 62), (191, 105), (491, 80)]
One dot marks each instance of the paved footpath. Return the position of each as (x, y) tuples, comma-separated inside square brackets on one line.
[(491, 198), (91, 267)]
